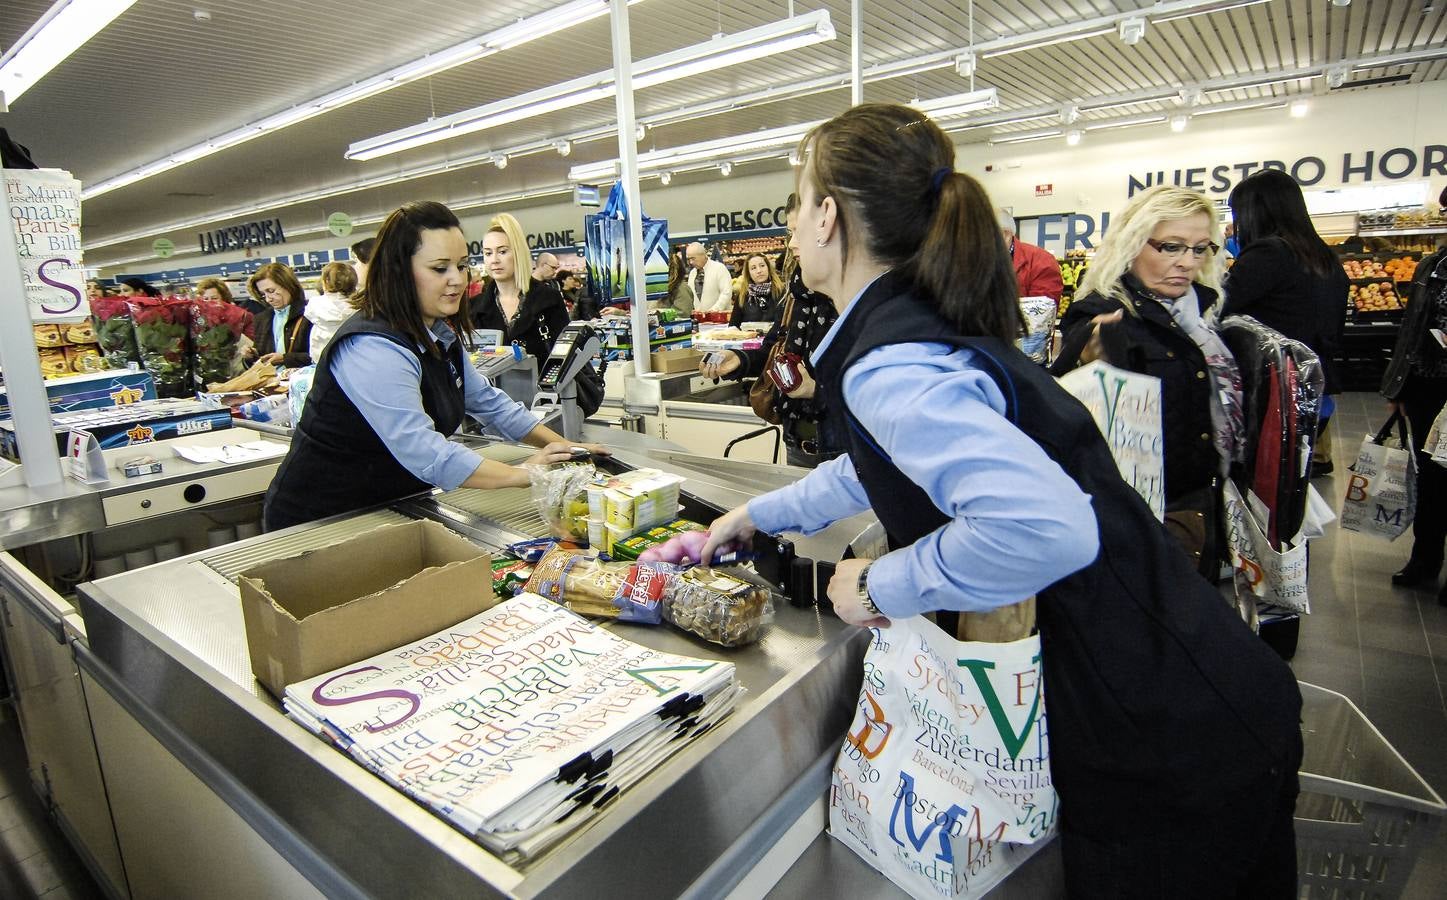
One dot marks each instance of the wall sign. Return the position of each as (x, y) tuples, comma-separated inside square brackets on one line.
[(1044, 190), (339, 224), (240, 237), (548, 240), (744, 219), (1363, 166), (163, 247)]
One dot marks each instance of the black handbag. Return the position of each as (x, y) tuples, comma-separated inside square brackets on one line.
[(590, 387)]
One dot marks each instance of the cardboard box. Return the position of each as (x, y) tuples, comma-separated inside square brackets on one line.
[(670, 361), (379, 590)]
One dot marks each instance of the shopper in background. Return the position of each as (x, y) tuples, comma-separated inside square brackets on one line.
[(545, 267), (529, 313), (334, 306), (1231, 245), (709, 280), (1416, 385), (1141, 306), (394, 383), (1173, 729), (800, 410), (679, 292), (582, 305), (135, 287), (1036, 271), (282, 330), (1288, 279), (214, 289), (362, 256), (94, 290), (758, 293)]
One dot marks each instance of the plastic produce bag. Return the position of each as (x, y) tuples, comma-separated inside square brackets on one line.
[(162, 335), (1039, 313), (561, 495), (217, 329), (298, 387), (115, 331)]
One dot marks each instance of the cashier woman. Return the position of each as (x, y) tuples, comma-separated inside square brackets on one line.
[(394, 383)]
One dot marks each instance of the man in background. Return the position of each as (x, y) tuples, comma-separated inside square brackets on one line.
[(546, 267), (1037, 272), (709, 280)]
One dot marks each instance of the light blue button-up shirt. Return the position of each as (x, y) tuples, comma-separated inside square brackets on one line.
[(1019, 523), (384, 381)]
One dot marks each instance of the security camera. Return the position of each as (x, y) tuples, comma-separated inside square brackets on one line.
[(1133, 29)]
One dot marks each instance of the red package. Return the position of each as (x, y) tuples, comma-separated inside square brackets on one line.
[(786, 371)]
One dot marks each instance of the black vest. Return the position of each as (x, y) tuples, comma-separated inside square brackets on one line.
[(337, 463), (1161, 700)]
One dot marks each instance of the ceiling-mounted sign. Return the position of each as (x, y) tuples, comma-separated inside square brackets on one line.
[(1044, 190), (339, 224), (586, 194), (241, 237), (43, 206), (163, 247)]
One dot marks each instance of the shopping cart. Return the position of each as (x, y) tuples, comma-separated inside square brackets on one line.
[(1364, 813)]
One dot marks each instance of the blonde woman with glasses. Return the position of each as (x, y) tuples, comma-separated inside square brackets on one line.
[(1144, 305)]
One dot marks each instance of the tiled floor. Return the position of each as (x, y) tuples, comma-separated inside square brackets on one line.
[(1383, 647)]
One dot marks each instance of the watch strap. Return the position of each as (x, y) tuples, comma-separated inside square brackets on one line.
[(863, 588)]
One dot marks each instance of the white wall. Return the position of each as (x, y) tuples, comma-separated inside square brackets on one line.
[(1089, 180)]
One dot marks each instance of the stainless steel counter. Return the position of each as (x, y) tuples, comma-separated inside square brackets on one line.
[(168, 643)]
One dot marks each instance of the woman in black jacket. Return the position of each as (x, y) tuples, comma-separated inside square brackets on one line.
[(758, 293), (1141, 307), (1416, 384), (1287, 278), (528, 312), (283, 333)]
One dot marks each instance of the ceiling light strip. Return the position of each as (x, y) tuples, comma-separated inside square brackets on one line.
[(552, 21), (721, 52), (62, 30)]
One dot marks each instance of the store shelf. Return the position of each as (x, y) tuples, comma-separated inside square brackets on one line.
[(1393, 232)]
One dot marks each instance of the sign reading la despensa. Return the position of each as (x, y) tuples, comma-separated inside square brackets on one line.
[(238, 237)]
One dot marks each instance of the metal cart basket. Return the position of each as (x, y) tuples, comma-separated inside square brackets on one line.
[(1364, 813)]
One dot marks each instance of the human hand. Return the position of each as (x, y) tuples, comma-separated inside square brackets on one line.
[(1093, 349), (805, 388), (273, 358), (552, 454), (733, 527), (848, 602), (725, 363)]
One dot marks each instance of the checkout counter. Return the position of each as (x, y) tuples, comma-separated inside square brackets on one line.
[(176, 774)]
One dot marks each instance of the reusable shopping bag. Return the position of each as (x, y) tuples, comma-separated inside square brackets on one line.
[(1127, 409), (1275, 574), (1381, 496), (1435, 446), (943, 783)]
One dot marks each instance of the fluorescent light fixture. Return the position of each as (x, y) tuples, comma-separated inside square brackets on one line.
[(1403, 59), (1022, 138), (545, 23), (1178, 123), (1125, 123), (959, 104), (1000, 123), (721, 52), (1238, 107), (1036, 45), (771, 139), (1266, 82), (62, 30), (1073, 136), (1120, 104), (1203, 12), (1299, 109)]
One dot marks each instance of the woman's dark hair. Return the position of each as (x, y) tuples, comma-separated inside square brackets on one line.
[(891, 173), (1269, 204), (362, 250), (283, 277), (390, 293), (141, 287)]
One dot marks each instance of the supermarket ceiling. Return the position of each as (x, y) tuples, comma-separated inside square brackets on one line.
[(163, 81)]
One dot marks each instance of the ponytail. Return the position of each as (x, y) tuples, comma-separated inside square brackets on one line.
[(962, 263)]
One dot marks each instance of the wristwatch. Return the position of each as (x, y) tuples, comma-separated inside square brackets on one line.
[(863, 587)]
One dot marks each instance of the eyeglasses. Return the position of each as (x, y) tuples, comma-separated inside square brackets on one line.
[(1176, 251)]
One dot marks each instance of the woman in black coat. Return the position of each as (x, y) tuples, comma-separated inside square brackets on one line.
[(1416, 384), (1287, 278), (283, 333), (1141, 307), (528, 312)]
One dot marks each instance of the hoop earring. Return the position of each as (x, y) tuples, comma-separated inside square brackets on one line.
[(821, 242)]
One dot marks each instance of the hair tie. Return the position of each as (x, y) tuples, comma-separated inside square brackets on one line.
[(937, 180)]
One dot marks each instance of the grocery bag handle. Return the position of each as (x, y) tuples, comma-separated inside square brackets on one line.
[(1400, 421)]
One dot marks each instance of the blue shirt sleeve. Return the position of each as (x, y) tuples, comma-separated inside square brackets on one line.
[(490, 406), (384, 381), (829, 493), (1018, 522)]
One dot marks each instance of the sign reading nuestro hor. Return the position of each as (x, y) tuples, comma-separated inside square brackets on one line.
[(238, 237)]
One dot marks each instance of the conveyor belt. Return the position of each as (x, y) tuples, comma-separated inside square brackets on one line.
[(228, 563)]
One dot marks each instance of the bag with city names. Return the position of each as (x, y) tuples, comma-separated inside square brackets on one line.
[(1381, 495), (1126, 407), (943, 783), (1275, 575)]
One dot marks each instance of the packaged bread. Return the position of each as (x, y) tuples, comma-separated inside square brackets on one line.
[(47, 336), (53, 363), (84, 359), (79, 332), (578, 581), (718, 607)]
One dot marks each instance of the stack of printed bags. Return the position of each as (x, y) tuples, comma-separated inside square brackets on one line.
[(518, 725)]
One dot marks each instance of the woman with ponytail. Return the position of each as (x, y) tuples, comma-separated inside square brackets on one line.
[(1173, 729)]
